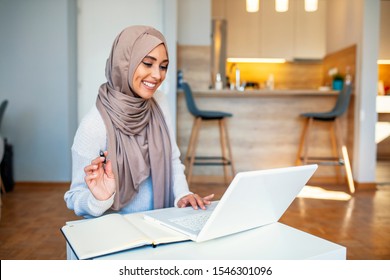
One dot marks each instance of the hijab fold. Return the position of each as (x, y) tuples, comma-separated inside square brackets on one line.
[(138, 141)]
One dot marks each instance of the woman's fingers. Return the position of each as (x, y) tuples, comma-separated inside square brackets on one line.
[(98, 160), (100, 178), (108, 169), (90, 168), (207, 199), (90, 179), (195, 201)]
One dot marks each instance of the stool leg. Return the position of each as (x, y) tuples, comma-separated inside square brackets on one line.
[(335, 150), (225, 147), (344, 153), (197, 125), (229, 147), (298, 160), (190, 145), (2, 186), (307, 138)]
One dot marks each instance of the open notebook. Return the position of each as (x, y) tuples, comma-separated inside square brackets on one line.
[(113, 233), (253, 199)]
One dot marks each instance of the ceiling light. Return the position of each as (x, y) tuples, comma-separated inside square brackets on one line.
[(311, 5), (252, 6), (281, 5)]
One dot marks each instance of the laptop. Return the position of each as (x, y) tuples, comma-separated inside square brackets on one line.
[(253, 199)]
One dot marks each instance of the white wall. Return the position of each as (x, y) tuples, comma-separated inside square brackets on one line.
[(352, 22), (365, 107), (37, 76), (343, 24), (95, 37), (194, 19), (384, 49), (170, 24), (38, 72)]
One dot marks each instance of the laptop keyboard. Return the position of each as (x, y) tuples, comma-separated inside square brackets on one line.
[(193, 222)]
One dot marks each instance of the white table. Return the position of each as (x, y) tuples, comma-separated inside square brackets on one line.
[(272, 242)]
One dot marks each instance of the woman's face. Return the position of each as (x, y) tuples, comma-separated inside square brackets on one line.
[(151, 72)]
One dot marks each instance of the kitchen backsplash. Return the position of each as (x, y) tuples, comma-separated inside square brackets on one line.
[(303, 75), (194, 62), (343, 60), (384, 76)]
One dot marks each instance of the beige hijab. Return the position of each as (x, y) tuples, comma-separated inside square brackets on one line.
[(138, 139)]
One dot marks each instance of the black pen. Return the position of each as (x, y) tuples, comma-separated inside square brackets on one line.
[(101, 153)]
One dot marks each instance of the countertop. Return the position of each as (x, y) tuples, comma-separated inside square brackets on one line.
[(263, 92), (383, 104)]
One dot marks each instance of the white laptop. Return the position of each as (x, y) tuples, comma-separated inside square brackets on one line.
[(253, 199)]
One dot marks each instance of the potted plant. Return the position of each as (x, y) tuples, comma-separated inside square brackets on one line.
[(338, 81)]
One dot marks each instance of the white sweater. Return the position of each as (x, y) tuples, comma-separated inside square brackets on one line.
[(90, 138)]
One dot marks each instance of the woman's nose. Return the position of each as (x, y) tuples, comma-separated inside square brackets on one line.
[(156, 72)]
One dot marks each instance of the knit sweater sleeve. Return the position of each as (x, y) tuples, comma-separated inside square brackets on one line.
[(90, 138)]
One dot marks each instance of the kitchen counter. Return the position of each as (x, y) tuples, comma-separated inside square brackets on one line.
[(265, 127), (264, 92), (383, 127), (383, 104)]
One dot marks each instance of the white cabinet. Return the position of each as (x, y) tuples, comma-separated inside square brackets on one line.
[(243, 30), (309, 31), (270, 34), (277, 31)]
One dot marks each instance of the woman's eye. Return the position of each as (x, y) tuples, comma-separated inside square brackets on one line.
[(147, 64), (150, 64)]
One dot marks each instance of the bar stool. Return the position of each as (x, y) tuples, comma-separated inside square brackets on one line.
[(1, 159), (199, 116), (3, 106), (340, 153)]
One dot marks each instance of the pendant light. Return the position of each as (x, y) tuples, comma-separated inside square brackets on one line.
[(311, 5), (281, 5), (252, 6)]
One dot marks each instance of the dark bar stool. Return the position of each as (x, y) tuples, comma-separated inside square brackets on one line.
[(191, 159), (340, 153), (3, 106)]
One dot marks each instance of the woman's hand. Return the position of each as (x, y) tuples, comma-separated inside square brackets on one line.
[(195, 201), (100, 178)]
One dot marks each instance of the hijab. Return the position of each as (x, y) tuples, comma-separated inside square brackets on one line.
[(138, 142)]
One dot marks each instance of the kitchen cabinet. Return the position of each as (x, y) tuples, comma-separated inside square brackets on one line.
[(309, 31), (243, 29), (277, 31), (267, 33)]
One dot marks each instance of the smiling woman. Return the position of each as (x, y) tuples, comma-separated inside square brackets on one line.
[(140, 168)]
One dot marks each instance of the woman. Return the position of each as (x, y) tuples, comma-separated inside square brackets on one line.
[(140, 169)]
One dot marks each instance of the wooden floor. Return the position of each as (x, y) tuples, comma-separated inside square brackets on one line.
[(31, 218)]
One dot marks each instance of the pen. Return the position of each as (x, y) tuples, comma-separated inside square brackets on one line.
[(101, 153)]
